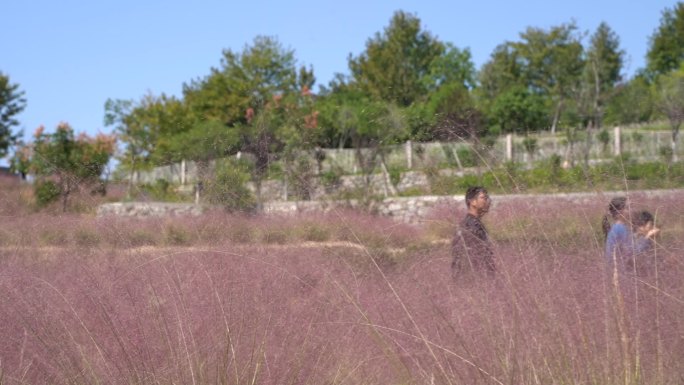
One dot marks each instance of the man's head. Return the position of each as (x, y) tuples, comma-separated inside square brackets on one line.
[(643, 222), (477, 200)]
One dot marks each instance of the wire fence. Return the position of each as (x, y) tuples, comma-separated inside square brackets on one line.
[(572, 148)]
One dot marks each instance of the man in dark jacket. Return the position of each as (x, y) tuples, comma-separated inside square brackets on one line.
[(471, 247)]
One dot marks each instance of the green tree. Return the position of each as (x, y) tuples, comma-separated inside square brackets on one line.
[(260, 138), (520, 111), (301, 137), (453, 66), (366, 125), (252, 95), (670, 101), (602, 71), (69, 162), (552, 64), (503, 71), (206, 141), (632, 102), (666, 45), (395, 63), (448, 111), (244, 80), (12, 102), (228, 187), (145, 129), (333, 104)]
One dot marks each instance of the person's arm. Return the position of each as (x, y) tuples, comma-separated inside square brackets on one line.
[(653, 233)]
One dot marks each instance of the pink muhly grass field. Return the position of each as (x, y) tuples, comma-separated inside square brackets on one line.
[(338, 298)]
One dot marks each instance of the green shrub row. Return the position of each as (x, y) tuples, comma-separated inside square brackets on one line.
[(621, 173)]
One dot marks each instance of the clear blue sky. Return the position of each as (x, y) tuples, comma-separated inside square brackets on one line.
[(70, 56)]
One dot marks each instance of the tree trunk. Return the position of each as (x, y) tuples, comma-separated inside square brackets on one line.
[(556, 117), (66, 190), (675, 133), (388, 180)]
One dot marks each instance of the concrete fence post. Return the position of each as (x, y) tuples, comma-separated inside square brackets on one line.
[(509, 147), (409, 154), (617, 148), (183, 170)]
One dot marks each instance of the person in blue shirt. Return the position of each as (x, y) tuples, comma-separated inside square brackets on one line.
[(617, 232), (645, 232), (643, 243)]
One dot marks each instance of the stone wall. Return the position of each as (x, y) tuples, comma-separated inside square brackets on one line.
[(408, 209), (149, 209)]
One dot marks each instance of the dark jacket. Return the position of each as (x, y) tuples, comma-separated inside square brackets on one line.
[(471, 248)]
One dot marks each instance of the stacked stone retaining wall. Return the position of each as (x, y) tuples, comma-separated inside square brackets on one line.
[(404, 209)]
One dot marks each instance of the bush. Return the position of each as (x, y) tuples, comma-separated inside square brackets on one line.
[(86, 238), (443, 185), (161, 190), (176, 236), (530, 145), (466, 181), (604, 137), (299, 176), (229, 189), (141, 237), (666, 153), (467, 157), (332, 179), (46, 192), (395, 175)]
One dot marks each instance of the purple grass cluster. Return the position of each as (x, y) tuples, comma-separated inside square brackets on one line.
[(337, 298)]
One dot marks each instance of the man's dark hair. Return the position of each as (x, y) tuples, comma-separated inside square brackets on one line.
[(472, 193), (641, 218)]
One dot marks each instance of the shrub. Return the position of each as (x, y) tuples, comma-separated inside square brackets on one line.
[(395, 175), (86, 237), (666, 154), (277, 236), (300, 173), (467, 157), (46, 192), (332, 178), (141, 237), (413, 191), (315, 232), (241, 233), (604, 137), (176, 235), (443, 185), (530, 145), (229, 189), (161, 190), (466, 181), (54, 236)]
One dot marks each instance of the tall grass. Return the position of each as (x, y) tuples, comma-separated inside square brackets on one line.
[(339, 298)]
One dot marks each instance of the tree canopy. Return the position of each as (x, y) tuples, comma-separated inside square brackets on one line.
[(666, 45), (64, 162), (405, 84), (395, 62), (12, 103)]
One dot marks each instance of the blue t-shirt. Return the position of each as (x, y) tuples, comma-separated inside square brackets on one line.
[(618, 242), (641, 244)]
